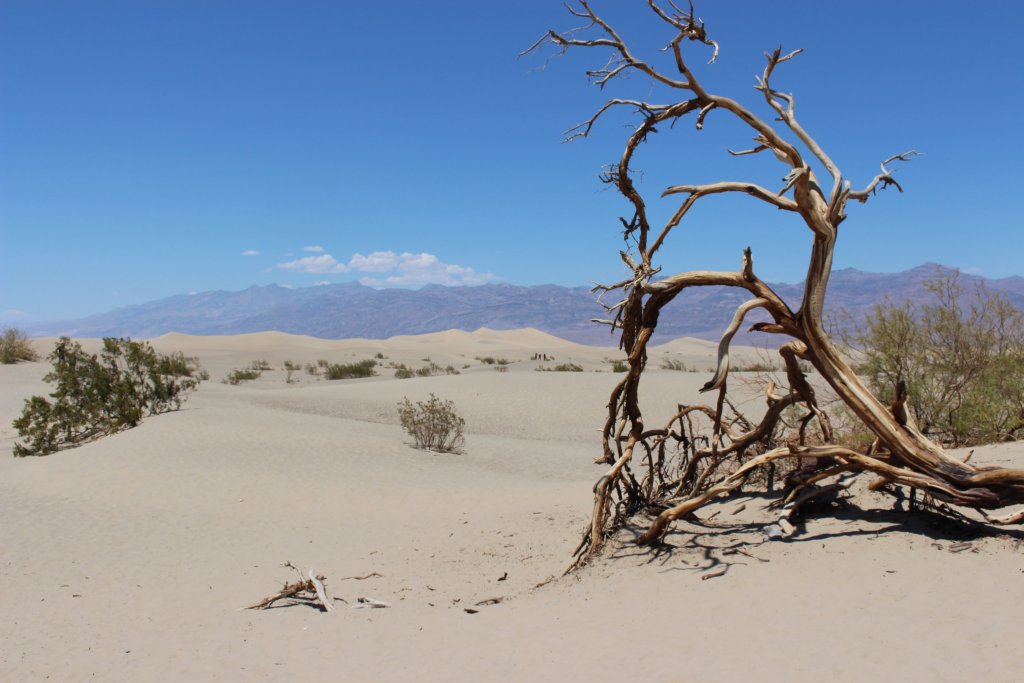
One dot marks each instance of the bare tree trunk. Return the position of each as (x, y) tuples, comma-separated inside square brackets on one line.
[(902, 455)]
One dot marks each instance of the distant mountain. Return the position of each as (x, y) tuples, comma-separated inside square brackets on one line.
[(353, 310)]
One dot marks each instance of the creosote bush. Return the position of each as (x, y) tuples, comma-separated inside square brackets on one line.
[(250, 372), (15, 347), (363, 368), (961, 359), (563, 367), (433, 425), (677, 365), (402, 371), (102, 394)]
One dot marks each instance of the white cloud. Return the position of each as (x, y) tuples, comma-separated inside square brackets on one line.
[(377, 262), (392, 269), (250, 252), (321, 283), (974, 270), (14, 314), (315, 248), (413, 270), (325, 263)]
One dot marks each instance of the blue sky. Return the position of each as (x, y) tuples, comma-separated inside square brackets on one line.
[(154, 148)]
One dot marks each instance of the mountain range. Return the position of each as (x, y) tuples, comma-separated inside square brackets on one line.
[(351, 310)]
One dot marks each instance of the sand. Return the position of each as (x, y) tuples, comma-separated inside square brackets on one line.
[(127, 559)]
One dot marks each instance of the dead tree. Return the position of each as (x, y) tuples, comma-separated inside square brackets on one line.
[(642, 475)]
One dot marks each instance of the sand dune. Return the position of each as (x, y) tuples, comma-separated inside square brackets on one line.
[(128, 558)]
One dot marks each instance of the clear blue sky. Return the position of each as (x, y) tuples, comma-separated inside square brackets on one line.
[(155, 148)]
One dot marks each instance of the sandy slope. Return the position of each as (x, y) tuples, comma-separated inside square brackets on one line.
[(128, 558)]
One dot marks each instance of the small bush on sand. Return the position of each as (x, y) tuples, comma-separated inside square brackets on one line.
[(563, 367), (620, 366), (677, 365), (403, 371), (434, 425), (252, 371), (363, 368), (15, 347), (291, 368), (102, 394)]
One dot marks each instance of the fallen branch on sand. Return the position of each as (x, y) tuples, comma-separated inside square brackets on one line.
[(309, 589)]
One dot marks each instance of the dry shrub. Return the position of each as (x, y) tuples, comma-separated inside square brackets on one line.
[(434, 425), (16, 347)]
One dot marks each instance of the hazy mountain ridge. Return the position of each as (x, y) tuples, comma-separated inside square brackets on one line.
[(352, 310)]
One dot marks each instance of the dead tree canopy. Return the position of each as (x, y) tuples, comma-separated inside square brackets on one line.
[(643, 475)]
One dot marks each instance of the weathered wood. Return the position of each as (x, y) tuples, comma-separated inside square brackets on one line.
[(321, 592), (901, 455)]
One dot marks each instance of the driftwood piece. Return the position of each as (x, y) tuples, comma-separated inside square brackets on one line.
[(321, 592), (370, 603), (309, 589)]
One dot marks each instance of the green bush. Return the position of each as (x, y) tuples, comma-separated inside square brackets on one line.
[(102, 394), (250, 372), (620, 366), (961, 357), (15, 347), (434, 425), (363, 368), (563, 367), (402, 371)]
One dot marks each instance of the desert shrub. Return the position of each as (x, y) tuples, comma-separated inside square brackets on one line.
[(486, 360), (563, 367), (961, 358), (363, 368), (312, 369), (677, 365), (15, 347), (433, 425), (620, 366), (501, 368), (379, 356), (756, 366), (250, 372), (402, 371), (102, 394), (290, 368)]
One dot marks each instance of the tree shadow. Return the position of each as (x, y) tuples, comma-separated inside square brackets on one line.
[(701, 545)]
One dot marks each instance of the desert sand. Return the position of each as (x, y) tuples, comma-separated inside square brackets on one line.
[(130, 558)]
